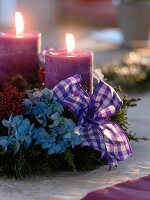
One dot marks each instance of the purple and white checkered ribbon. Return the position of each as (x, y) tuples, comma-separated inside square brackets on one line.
[(96, 131)]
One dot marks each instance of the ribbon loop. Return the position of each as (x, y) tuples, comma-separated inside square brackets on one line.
[(96, 131), (70, 93), (105, 101)]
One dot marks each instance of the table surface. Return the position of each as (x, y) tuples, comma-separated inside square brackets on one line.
[(73, 186)]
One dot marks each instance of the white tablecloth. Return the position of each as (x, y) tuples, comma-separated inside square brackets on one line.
[(73, 186)]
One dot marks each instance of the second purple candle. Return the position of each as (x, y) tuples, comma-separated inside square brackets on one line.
[(59, 65)]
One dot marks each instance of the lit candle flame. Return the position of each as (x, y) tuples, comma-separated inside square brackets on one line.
[(70, 42), (19, 23)]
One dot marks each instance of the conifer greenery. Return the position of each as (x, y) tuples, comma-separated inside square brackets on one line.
[(131, 77), (32, 159), (35, 160)]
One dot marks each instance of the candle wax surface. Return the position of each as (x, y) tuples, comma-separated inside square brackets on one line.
[(19, 54)]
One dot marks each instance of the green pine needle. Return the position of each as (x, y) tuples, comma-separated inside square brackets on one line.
[(69, 157), (35, 160)]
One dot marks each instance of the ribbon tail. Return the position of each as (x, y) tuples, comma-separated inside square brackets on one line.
[(92, 136), (109, 139), (116, 143)]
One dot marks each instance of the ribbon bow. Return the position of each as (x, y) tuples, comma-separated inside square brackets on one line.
[(96, 131)]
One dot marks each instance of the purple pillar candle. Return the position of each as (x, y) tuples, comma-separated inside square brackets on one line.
[(19, 54), (60, 65)]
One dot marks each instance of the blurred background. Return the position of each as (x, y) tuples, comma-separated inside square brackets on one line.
[(109, 28), (45, 13), (56, 17)]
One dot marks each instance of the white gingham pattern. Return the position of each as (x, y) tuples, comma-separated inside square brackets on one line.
[(96, 131)]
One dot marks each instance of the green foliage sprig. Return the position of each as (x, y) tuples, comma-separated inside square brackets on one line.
[(130, 75), (35, 160)]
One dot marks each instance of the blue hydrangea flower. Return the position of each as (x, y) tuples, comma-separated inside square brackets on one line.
[(12, 124), (42, 105), (62, 134), (57, 107), (59, 134), (72, 133), (43, 139), (56, 120), (57, 148), (6, 141), (20, 131), (67, 133)]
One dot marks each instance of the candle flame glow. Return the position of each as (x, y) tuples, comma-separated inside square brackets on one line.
[(19, 23), (70, 42)]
